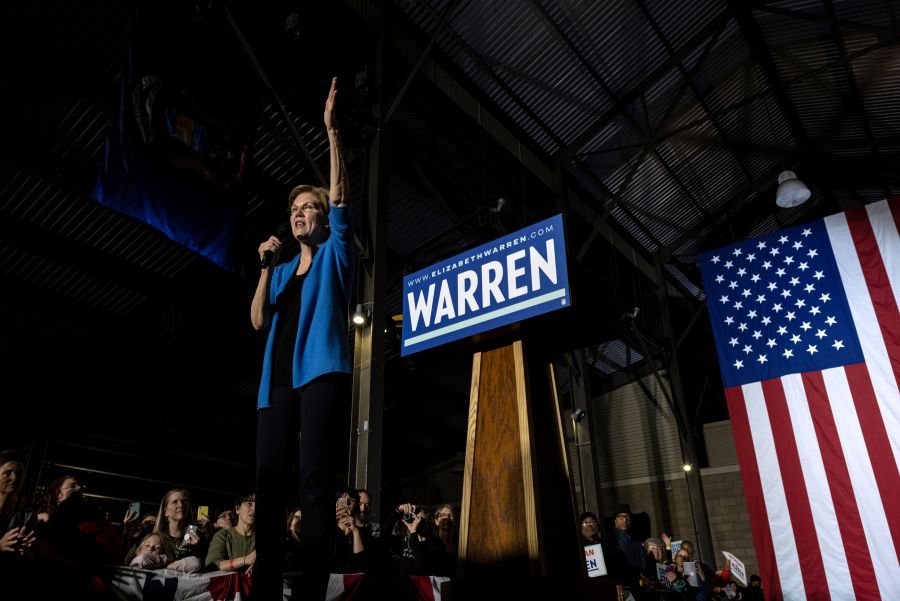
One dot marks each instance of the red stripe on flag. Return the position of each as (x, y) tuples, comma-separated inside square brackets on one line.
[(853, 537), (875, 434), (795, 492), (759, 517), (880, 291)]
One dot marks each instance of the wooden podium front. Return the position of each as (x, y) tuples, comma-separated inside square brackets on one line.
[(517, 515)]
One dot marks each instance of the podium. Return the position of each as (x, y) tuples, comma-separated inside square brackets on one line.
[(517, 519), (517, 507)]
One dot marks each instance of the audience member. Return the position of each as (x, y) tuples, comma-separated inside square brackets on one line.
[(56, 492), (16, 524), (225, 518), (77, 528), (624, 555), (590, 528), (292, 549), (351, 553), (651, 582), (16, 534), (363, 519), (134, 530), (234, 549), (153, 552), (445, 530), (753, 592), (174, 523)]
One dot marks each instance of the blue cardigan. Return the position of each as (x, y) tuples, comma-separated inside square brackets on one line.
[(321, 346)]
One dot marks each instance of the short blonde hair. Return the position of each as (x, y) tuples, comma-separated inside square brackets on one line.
[(320, 194)]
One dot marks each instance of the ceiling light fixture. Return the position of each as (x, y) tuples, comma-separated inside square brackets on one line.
[(791, 191), (360, 316)]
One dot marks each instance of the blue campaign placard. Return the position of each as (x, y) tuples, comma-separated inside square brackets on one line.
[(517, 276)]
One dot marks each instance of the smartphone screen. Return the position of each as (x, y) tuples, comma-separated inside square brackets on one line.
[(135, 507), (203, 513)]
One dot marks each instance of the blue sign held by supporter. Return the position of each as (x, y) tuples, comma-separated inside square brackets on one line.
[(517, 276)]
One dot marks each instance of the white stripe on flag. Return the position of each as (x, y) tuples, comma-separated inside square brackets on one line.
[(783, 543), (874, 350), (865, 489), (821, 504), (885, 231)]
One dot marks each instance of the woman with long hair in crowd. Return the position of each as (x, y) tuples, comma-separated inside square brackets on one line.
[(56, 492), (174, 522)]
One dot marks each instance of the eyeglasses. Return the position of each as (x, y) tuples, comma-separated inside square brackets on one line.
[(306, 207), (589, 523)]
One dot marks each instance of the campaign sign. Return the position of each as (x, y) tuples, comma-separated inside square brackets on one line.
[(593, 557), (510, 279), (737, 568)]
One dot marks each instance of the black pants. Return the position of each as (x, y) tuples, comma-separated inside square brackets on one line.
[(303, 421)]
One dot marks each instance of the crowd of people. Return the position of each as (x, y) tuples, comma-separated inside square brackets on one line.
[(71, 537), (654, 569)]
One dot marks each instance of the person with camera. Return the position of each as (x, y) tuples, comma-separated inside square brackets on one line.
[(352, 548), (303, 304), (173, 522), (417, 551)]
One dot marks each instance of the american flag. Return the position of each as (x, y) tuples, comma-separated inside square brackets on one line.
[(807, 332)]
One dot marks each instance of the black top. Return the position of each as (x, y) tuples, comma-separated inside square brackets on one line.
[(287, 304)]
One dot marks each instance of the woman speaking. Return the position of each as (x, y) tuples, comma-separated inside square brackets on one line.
[(306, 371)]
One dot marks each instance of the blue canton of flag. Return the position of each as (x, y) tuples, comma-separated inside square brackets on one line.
[(778, 307)]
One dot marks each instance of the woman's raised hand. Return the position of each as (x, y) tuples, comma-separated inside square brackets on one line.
[(331, 106)]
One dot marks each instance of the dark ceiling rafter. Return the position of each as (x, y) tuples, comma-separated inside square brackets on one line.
[(260, 71), (616, 198), (855, 96), (482, 62), (755, 41), (439, 28), (613, 198), (895, 40), (509, 134), (711, 29), (891, 13), (780, 87), (699, 95), (40, 242), (829, 20)]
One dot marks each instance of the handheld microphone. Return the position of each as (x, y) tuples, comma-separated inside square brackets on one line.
[(281, 233)]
